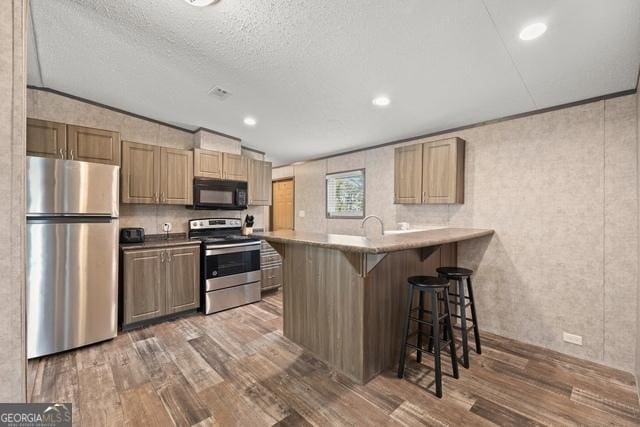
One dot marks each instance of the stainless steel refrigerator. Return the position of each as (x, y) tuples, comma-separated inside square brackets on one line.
[(72, 254)]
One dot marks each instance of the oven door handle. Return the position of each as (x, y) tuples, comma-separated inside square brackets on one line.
[(233, 248)]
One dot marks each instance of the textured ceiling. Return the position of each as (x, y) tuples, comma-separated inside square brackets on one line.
[(308, 69)]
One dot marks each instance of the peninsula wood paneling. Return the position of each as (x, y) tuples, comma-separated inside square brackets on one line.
[(352, 322)]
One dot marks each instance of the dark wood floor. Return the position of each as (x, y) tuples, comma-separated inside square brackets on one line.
[(236, 368)]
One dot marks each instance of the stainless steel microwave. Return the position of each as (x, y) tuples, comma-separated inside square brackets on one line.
[(219, 194)]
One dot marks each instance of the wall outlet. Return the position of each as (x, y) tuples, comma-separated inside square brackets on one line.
[(166, 227), (571, 338), (301, 214)]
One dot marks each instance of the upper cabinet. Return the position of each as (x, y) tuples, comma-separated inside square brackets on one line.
[(176, 176), (234, 167), (156, 175), (46, 139), (207, 164), (51, 139), (408, 174), (430, 172), (216, 164), (259, 182), (93, 145), (443, 171)]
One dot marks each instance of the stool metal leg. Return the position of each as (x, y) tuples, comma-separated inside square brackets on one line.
[(436, 344), (403, 346), (452, 340), (476, 330), (421, 317), (463, 324)]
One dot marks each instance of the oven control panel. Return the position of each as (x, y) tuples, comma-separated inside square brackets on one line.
[(208, 223)]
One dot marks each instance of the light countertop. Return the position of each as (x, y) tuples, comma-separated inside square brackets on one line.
[(376, 244)]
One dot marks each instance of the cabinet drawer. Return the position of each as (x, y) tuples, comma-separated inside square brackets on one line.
[(269, 259), (271, 277)]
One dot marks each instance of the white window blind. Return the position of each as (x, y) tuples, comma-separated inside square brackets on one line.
[(345, 194)]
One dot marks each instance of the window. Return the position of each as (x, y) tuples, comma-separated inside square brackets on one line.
[(345, 194)]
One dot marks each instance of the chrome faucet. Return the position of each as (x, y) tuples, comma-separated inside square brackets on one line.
[(364, 231)]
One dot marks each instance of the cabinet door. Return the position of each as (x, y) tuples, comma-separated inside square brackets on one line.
[(93, 145), (408, 174), (234, 167), (259, 182), (176, 176), (443, 173), (271, 278), (183, 284), (46, 139), (140, 173), (207, 164), (143, 285)]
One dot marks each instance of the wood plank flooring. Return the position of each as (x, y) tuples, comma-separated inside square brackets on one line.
[(236, 368)]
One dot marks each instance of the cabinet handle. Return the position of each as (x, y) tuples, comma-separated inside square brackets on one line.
[(61, 153), (162, 256), (155, 197), (71, 154), (169, 257), (162, 197)]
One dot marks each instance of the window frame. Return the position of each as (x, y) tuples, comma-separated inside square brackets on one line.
[(364, 194)]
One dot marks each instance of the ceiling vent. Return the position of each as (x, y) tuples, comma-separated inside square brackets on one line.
[(219, 93)]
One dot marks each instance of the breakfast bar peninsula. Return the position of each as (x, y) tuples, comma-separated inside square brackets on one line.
[(344, 296)]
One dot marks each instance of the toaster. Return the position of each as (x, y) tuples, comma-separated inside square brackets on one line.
[(132, 235)]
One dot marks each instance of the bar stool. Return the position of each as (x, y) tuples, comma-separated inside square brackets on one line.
[(435, 287), (460, 275)]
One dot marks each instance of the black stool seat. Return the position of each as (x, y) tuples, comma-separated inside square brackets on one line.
[(454, 271), (429, 281)]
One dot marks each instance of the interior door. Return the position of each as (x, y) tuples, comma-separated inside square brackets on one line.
[(283, 205), (140, 173), (176, 176)]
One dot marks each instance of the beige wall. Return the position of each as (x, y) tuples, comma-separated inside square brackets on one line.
[(638, 293), (560, 189), (12, 212), (49, 106)]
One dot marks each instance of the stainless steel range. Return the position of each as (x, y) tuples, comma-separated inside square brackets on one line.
[(230, 267)]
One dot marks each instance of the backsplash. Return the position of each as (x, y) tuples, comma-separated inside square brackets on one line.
[(151, 217)]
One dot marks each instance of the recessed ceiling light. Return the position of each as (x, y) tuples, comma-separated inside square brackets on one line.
[(533, 31), (381, 101), (250, 121), (201, 3)]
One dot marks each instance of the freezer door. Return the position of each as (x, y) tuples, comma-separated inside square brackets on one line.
[(72, 283), (59, 187)]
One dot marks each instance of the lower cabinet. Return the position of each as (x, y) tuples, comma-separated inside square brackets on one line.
[(159, 282), (271, 267)]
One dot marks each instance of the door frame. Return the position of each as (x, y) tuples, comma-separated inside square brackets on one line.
[(273, 181)]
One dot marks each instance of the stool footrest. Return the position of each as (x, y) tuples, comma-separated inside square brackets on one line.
[(444, 345), (458, 296), (460, 317), (469, 328)]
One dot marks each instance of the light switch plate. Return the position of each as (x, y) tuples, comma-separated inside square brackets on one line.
[(166, 227), (301, 214), (572, 338)]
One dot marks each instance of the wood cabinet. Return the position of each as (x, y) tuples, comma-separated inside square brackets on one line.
[(408, 174), (46, 139), (93, 145), (443, 171), (156, 175), (140, 181), (207, 164), (234, 167), (159, 282), (430, 172), (271, 267), (57, 140), (143, 285), (259, 182), (176, 176)]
